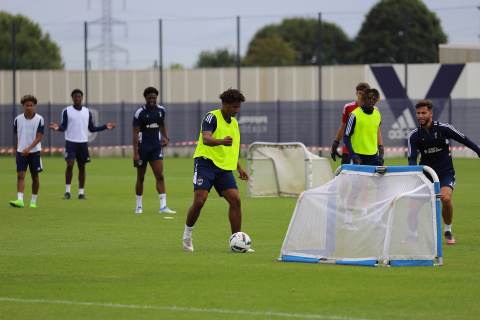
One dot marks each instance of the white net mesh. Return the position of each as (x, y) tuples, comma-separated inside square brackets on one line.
[(285, 169), (366, 216)]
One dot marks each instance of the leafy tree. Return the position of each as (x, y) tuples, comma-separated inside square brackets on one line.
[(302, 36), (216, 59), (270, 51), (175, 65), (381, 40), (34, 49)]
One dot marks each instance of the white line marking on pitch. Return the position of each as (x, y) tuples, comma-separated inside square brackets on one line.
[(131, 306)]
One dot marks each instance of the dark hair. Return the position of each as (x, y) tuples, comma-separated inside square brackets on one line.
[(232, 95), (424, 103), (28, 97), (366, 92), (362, 86), (150, 90), (77, 91)]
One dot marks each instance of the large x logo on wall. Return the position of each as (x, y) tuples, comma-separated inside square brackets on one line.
[(403, 109)]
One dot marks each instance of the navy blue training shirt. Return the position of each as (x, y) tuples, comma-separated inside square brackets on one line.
[(149, 123), (440, 164)]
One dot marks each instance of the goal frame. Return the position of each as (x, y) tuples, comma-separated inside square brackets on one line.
[(380, 169)]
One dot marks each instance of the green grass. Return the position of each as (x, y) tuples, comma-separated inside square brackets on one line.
[(98, 251)]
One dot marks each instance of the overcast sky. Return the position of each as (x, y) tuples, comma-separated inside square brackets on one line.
[(190, 26)]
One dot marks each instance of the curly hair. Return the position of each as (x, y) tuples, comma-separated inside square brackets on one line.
[(424, 103), (77, 91), (150, 90), (232, 95), (28, 97), (366, 92), (362, 86)]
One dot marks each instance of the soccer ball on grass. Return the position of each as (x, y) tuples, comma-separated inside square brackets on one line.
[(240, 242)]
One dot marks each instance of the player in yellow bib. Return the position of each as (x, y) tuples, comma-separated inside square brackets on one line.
[(360, 138), (215, 157)]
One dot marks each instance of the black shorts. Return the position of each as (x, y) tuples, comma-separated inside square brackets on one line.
[(33, 160), (345, 158), (77, 151), (208, 175)]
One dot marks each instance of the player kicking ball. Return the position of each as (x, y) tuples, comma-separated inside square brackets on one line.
[(432, 139), (215, 157), (28, 128)]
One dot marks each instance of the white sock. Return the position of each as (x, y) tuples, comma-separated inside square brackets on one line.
[(139, 200), (414, 233), (81, 191), (448, 227), (20, 196), (68, 187), (163, 200), (348, 216), (378, 215), (34, 198), (188, 232)]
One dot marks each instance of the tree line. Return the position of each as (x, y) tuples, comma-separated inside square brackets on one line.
[(292, 42)]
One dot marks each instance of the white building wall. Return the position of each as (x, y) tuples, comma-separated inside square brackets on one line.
[(257, 83)]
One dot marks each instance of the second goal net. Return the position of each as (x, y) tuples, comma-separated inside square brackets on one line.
[(284, 169)]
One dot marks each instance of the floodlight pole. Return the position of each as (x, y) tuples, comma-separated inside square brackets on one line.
[(160, 60), (319, 59), (405, 36), (238, 52), (14, 71), (86, 63)]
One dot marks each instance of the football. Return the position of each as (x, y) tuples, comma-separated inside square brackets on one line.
[(239, 242)]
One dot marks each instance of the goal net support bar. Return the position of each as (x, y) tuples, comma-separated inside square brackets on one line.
[(370, 216)]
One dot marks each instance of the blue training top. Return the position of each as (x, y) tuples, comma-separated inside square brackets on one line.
[(149, 123), (439, 162)]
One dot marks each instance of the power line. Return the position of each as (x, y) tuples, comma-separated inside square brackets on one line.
[(313, 14)]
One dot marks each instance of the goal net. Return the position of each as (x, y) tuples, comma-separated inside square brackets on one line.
[(284, 169), (367, 215)]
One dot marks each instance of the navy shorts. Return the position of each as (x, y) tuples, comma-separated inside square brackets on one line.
[(367, 160), (33, 160), (148, 154), (208, 175), (77, 151), (447, 179)]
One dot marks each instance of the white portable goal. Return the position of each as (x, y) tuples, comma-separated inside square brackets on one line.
[(284, 169), (368, 215)]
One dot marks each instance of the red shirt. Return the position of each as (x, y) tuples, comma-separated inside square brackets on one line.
[(349, 107)]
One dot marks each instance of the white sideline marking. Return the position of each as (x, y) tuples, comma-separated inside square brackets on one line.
[(174, 308)]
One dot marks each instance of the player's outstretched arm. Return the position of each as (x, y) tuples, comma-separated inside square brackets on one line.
[(243, 173), (53, 126)]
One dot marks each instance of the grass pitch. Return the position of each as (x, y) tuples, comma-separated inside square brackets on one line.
[(98, 259)]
